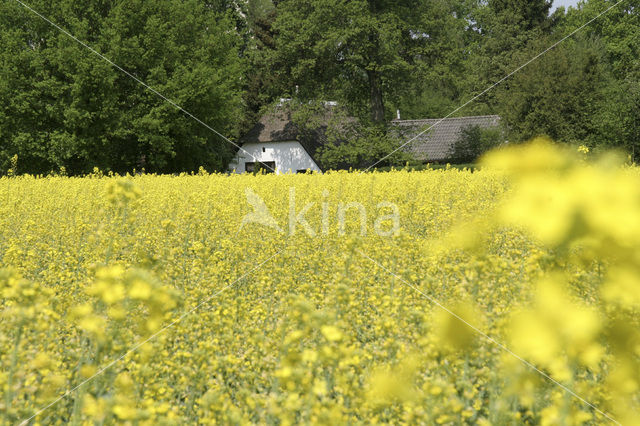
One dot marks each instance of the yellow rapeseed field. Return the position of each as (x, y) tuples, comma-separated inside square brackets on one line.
[(503, 296)]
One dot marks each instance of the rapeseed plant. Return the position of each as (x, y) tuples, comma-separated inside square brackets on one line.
[(539, 249)]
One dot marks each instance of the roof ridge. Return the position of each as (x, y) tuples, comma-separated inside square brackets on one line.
[(446, 119)]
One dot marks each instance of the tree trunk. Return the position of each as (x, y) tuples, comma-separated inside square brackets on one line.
[(377, 106)]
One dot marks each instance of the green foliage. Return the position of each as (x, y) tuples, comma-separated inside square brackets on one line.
[(65, 107), (503, 30), (618, 34), (342, 141), (360, 146), (559, 96), (619, 118), (618, 30), (358, 52), (437, 80), (529, 14), (475, 141), (262, 76)]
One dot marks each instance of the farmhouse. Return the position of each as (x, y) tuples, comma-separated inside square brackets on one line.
[(274, 144), (436, 144)]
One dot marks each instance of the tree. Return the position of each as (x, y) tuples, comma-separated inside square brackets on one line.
[(530, 15), (560, 97), (359, 51), (263, 82), (504, 28), (62, 106), (340, 141), (437, 80), (619, 117), (618, 32), (475, 141)]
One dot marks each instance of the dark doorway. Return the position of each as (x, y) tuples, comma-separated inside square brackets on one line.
[(264, 166)]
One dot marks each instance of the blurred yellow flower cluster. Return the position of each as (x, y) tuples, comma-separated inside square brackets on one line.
[(538, 250), (583, 324)]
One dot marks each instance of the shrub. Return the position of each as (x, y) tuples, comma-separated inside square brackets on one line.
[(475, 141)]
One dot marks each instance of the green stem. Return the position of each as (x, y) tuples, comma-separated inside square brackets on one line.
[(12, 370), (75, 415)]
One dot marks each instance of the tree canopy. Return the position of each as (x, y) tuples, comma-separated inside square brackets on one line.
[(65, 107), (362, 51), (225, 61)]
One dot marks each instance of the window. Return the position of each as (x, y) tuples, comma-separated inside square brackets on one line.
[(265, 166), (302, 171), (264, 149)]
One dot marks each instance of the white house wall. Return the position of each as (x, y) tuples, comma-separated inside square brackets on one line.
[(288, 156)]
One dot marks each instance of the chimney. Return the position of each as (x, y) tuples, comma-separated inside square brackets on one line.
[(398, 114)]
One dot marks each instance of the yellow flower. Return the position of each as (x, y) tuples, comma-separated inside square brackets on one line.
[(331, 333), (140, 290), (623, 287), (88, 370), (319, 387), (94, 325), (125, 412), (41, 361), (385, 387), (457, 331), (94, 408), (541, 255)]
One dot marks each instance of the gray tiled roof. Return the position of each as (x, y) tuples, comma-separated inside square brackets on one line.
[(437, 143), (275, 126)]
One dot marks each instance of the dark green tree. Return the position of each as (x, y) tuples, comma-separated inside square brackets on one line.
[(437, 81), (504, 29), (560, 96), (618, 32), (529, 15), (618, 29), (62, 106), (360, 52), (263, 80), (475, 141)]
